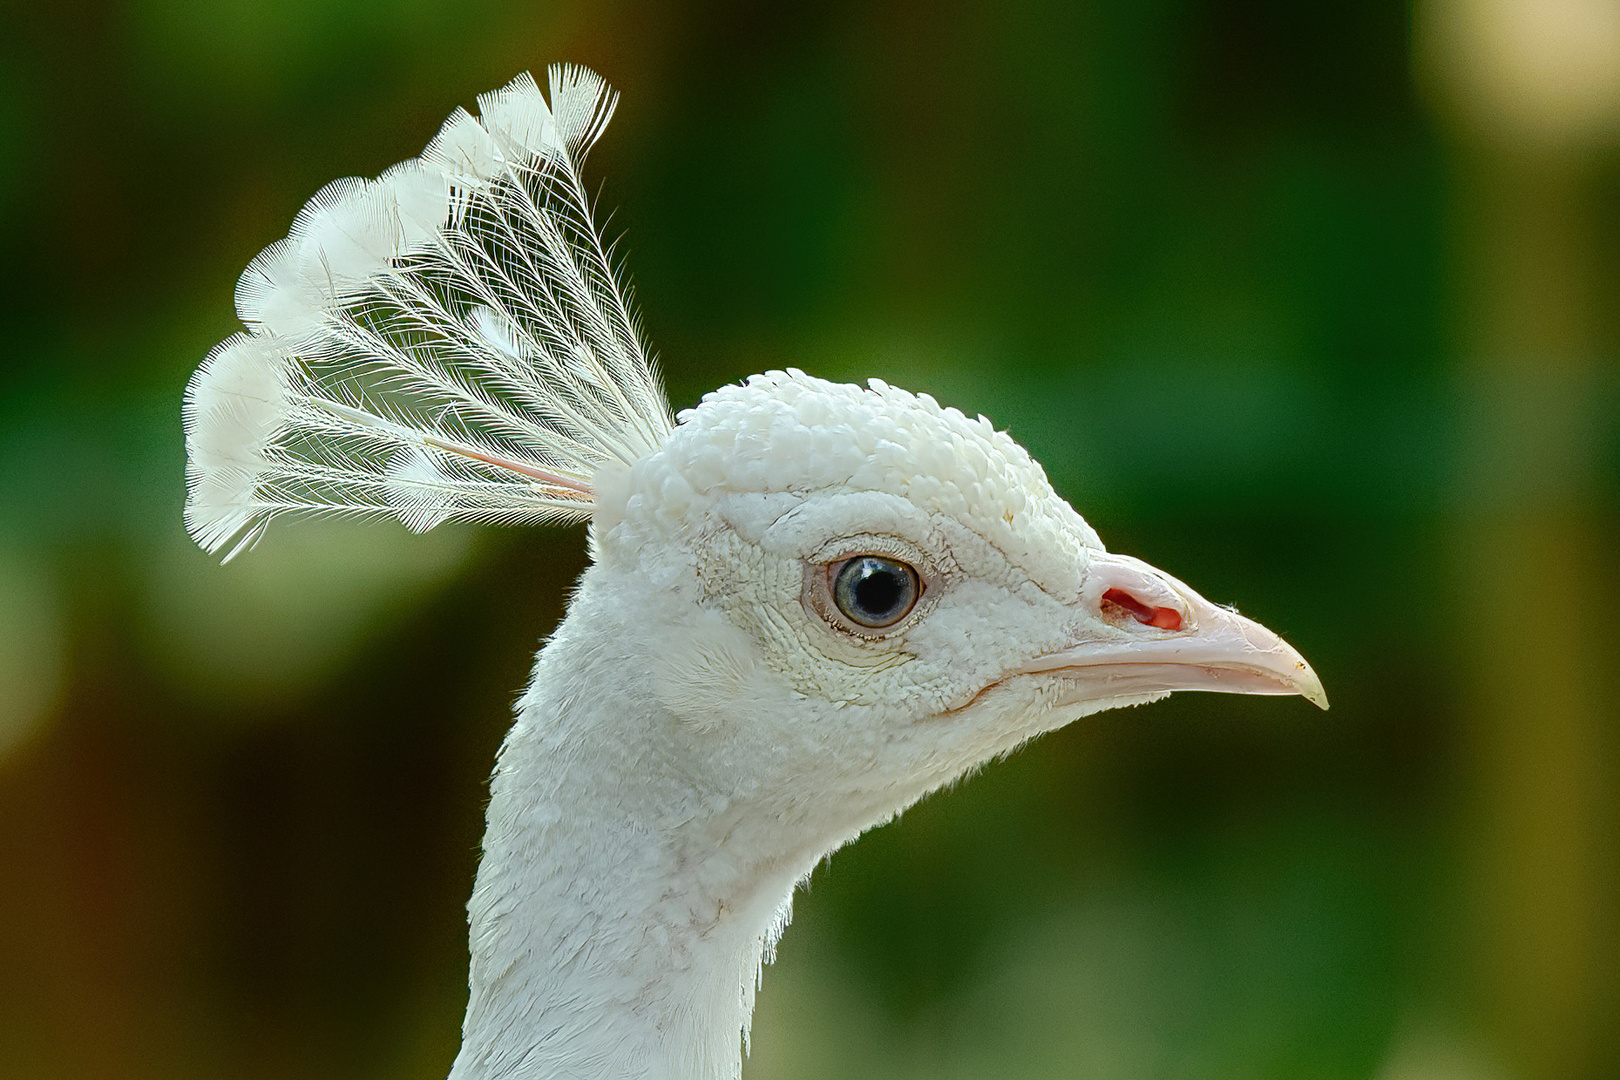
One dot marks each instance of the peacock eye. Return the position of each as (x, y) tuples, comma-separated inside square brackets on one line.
[(873, 591)]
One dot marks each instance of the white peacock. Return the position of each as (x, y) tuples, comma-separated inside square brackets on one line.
[(809, 604)]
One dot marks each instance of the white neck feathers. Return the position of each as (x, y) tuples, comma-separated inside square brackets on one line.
[(619, 918)]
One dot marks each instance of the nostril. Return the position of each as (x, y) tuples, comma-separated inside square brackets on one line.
[(1162, 617)]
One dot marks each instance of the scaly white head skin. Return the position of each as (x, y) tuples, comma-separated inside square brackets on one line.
[(706, 725), (809, 604)]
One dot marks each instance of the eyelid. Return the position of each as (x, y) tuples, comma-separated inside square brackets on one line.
[(883, 545)]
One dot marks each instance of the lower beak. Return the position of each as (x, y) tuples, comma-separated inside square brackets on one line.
[(1214, 647)]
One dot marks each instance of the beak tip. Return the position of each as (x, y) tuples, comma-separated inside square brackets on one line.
[(1309, 687)]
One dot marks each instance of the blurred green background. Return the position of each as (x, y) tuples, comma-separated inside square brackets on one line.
[(1311, 304)]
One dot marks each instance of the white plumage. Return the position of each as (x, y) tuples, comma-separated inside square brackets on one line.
[(809, 604), (446, 341)]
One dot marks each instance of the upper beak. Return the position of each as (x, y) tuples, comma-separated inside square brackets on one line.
[(1210, 648)]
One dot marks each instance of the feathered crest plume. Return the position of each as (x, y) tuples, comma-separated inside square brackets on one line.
[(448, 341)]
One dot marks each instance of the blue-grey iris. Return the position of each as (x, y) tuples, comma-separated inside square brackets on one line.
[(875, 592)]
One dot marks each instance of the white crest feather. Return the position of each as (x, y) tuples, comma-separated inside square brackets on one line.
[(448, 341)]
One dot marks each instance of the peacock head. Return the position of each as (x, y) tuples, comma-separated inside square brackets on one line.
[(885, 592)]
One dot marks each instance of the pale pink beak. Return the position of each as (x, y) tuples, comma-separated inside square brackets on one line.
[(1177, 641)]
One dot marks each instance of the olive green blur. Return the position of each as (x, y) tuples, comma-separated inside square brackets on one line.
[(1311, 304)]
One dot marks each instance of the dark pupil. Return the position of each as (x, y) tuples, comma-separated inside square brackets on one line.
[(874, 591), (879, 588)]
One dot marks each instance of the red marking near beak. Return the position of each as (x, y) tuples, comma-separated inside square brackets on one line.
[(1162, 617)]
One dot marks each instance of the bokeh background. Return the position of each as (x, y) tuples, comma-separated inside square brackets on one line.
[(1312, 304)]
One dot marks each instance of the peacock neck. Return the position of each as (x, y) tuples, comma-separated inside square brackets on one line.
[(616, 930)]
